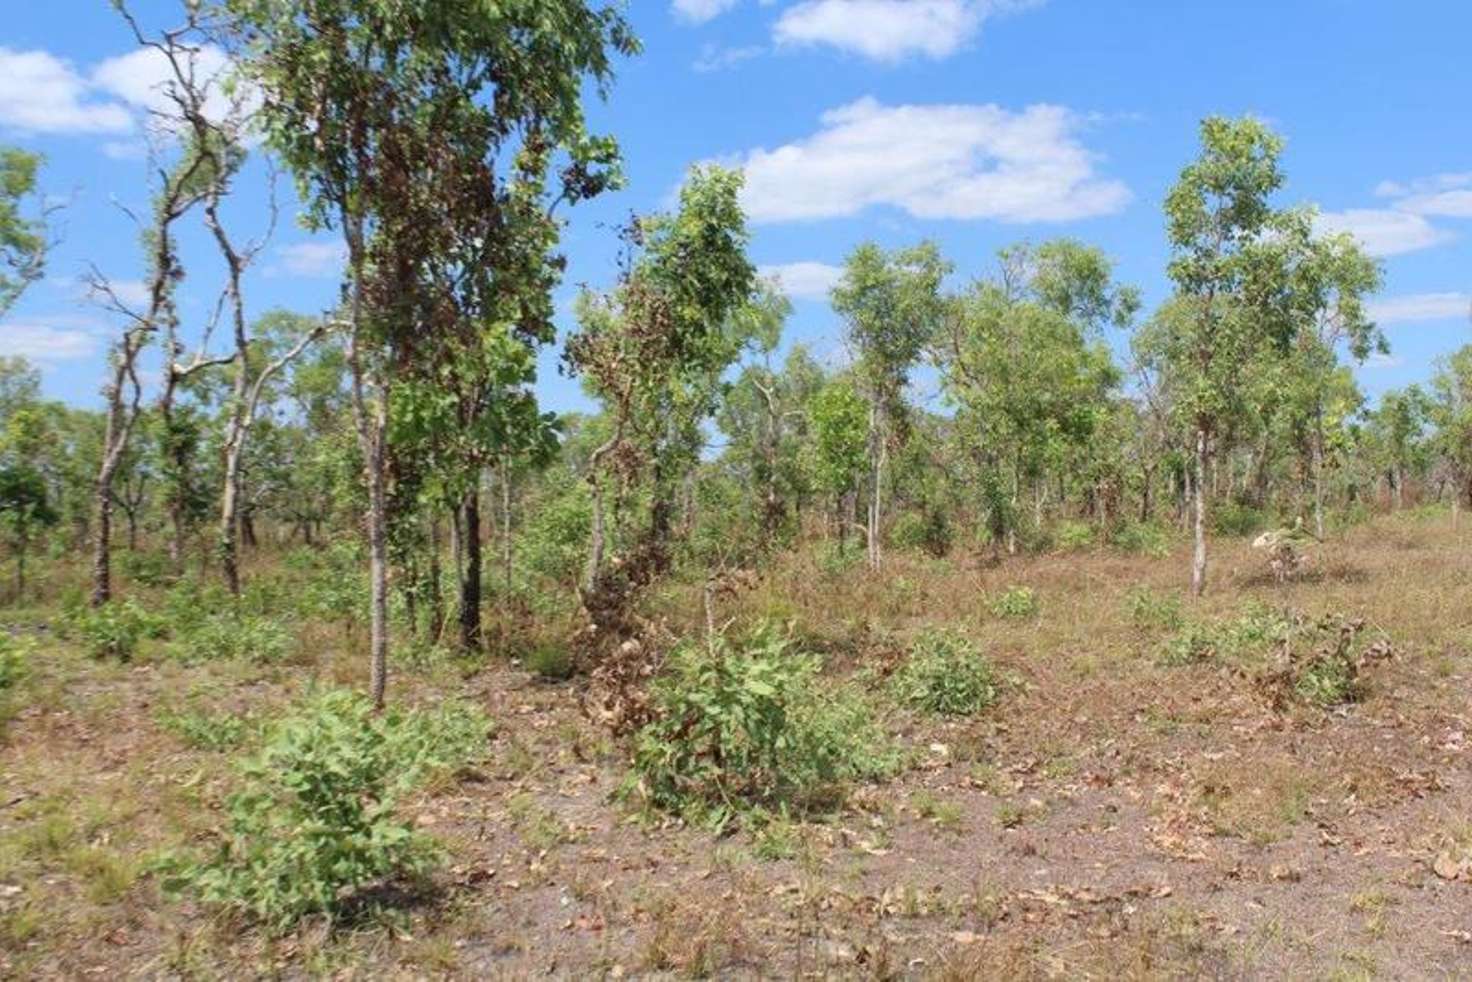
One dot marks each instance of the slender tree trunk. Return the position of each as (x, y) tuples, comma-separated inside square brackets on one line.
[(470, 586), (507, 544), (1318, 450), (1198, 561), (102, 540), (876, 455), (229, 528), (437, 617)]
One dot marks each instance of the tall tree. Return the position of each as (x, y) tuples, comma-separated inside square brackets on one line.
[(1236, 263), (22, 237), (398, 118), (892, 307)]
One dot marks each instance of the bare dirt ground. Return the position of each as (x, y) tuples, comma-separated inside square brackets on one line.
[(1111, 817)]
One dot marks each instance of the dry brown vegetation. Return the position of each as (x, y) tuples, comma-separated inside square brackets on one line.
[(1112, 816)]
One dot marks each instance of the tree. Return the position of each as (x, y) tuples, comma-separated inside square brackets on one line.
[(22, 238), (892, 307), (1237, 263), (1451, 411), (400, 116), (1023, 360), (25, 502), (840, 445), (654, 351)]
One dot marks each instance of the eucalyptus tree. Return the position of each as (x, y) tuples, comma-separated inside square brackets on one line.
[(1397, 438), (1242, 286), (399, 119), (1451, 411), (654, 351), (22, 236), (838, 420), (892, 307), (1024, 362)]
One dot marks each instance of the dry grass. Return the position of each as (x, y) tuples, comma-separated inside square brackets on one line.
[(1111, 817)]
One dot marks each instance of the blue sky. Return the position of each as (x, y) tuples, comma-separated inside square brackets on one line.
[(973, 122)]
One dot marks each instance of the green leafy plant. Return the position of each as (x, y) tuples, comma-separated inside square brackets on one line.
[(115, 629), (749, 726), (551, 661), (1320, 662), (15, 655), (945, 675), (1148, 609), (1074, 536), (1142, 539), (315, 824), (236, 634), (1247, 637), (204, 730), (1015, 603)]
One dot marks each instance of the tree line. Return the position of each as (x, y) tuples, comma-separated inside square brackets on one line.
[(441, 142)]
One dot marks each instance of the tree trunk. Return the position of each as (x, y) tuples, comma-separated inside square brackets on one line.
[(102, 541), (507, 545), (876, 452), (1198, 561), (470, 630), (1319, 478)]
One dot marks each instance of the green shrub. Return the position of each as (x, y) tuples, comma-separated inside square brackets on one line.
[(235, 634), (751, 727), (1247, 637), (835, 559), (1320, 662), (1141, 539), (926, 531), (1233, 518), (551, 661), (554, 543), (114, 629), (1148, 609), (15, 654), (148, 568), (1074, 536), (945, 675), (1015, 603), (205, 731), (315, 823)]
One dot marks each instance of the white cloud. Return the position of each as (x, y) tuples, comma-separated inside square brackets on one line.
[(40, 93), (714, 58), (1384, 232), (938, 161), (803, 280), (49, 340), (144, 78), (1416, 307), (700, 11), (310, 259), (889, 30)]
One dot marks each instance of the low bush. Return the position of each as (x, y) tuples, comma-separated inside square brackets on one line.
[(745, 727), (205, 731), (1141, 539), (1073, 536), (147, 568), (115, 629), (926, 531), (15, 654), (1148, 609), (235, 634), (1247, 637), (1234, 518), (1320, 662), (315, 824), (1015, 603), (945, 675), (551, 661)]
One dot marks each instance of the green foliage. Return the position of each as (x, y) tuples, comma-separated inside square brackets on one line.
[(840, 422), (1141, 538), (1320, 662), (1074, 536), (928, 531), (1148, 609), (15, 655), (751, 726), (201, 730), (945, 675), (315, 824), (1243, 638), (554, 543), (115, 629), (836, 559), (147, 568), (1239, 520), (551, 661), (235, 634), (1015, 603), (22, 239)]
